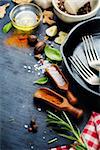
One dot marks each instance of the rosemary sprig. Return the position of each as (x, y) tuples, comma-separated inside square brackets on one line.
[(65, 124), (53, 140)]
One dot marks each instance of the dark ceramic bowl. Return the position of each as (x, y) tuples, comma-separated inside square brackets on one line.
[(74, 45)]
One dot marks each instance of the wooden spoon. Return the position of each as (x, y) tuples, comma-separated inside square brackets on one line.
[(61, 82), (57, 101)]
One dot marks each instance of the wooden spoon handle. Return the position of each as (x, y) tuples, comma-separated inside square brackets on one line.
[(74, 111), (71, 98)]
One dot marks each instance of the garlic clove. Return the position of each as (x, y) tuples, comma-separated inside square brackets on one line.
[(21, 1), (3, 9), (61, 33), (60, 39), (51, 31), (72, 6), (43, 3)]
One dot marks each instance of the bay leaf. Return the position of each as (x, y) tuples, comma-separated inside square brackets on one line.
[(42, 80), (7, 27), (53, 53)]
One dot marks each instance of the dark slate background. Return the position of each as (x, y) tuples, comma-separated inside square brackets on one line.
[(16, 102)]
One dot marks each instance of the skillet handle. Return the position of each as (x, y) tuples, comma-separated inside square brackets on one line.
[(71, 98)]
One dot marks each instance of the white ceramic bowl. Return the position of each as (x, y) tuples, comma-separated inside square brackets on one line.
[(76, 18)]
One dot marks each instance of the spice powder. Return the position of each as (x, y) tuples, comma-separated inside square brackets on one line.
[(17, 40)]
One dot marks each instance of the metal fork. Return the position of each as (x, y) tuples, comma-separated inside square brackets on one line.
[(84, 71), (92, 56)]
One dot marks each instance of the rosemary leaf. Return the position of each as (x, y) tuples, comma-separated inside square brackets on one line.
[(68, 137), (54, 115), (78, 131), (84, 141), (53, 122), (52, 141), (65, 128), (73, 130), (63, 123), (69, 121), (79, 147)]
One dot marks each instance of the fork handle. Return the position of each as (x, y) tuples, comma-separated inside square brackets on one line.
[(71, 98)]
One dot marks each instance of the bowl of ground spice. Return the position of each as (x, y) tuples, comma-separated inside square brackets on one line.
[(71, 11)]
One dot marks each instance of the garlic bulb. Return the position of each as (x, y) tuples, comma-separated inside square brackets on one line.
[(43, 3), (21, 1), (72, 6)]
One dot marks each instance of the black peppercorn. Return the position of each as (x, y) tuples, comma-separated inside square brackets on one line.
[(30, 129), (32, 122), (34, 127), (39, 47), (85, 9), (32, 40)]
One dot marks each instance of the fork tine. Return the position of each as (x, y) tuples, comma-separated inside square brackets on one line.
[(87, 73), (93, 49), (73, 62), (87, 49), (84, 67), (91, 78)]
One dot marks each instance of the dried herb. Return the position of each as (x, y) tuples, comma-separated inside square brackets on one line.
[(7, 27), (64, 124), (42, 80), (53, 53), (52, 141)]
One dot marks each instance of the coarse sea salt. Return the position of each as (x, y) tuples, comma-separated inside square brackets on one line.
[(45, 132), (41, 66), (39, 73), (39, 109), (26, 126), (29, 67), (32, 147), (56, 75), (35, 65), (29, 71), (30, 54), (25, 67), (43, 137)]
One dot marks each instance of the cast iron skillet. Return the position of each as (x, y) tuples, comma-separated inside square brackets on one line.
[(73, 45)]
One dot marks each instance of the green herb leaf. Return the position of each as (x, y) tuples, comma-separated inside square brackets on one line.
[(64, 123), (79, 147), (68, 137), (53, 140), (53, 53), (42, 80), (78, 131), (7, 27)]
